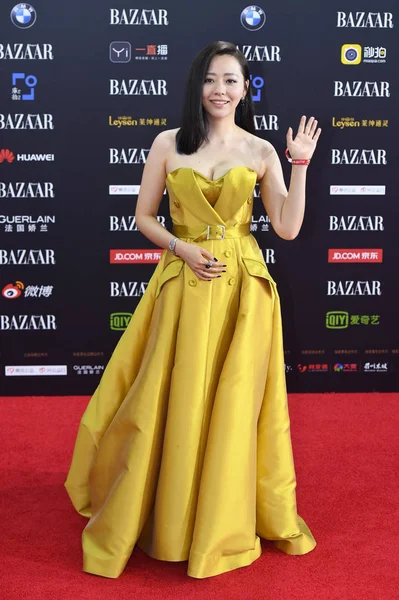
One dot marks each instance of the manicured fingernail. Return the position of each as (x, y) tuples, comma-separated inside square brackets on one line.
[(224, 271), (224, 265), (214, 258), (219, 275)]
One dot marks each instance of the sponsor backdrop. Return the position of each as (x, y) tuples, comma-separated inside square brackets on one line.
[(85, 88)]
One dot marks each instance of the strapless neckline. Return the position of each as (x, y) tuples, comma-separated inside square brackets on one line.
[(207, 178)]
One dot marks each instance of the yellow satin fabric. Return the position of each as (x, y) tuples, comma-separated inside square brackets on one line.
[(185, 446)]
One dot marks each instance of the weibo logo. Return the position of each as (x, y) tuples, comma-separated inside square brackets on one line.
[(6, 155)]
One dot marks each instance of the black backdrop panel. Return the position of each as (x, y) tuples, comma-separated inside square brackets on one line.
[(74, 136)]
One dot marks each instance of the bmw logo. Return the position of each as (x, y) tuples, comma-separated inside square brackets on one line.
[(23, 15), (253, 18)]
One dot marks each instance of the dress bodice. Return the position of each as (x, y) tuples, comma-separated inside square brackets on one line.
[(195, 199)]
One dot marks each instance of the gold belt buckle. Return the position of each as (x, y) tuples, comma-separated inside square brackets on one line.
[(208, 231)]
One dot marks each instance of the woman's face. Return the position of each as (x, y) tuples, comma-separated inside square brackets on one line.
[(223, 86)]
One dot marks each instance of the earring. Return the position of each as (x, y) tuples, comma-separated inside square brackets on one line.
[(243, 100)]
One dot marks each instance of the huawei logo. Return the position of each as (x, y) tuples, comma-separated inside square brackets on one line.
[(6, 155)]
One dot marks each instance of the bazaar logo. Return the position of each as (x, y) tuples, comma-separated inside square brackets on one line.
[(132, 289), (253, 18), (27, 322), (355, 223), (138, 16), (261, 53), (354, 288), (362, 89), (26, 121), (137, 87), (119, 321), (23, 189), (23, 15), (128, 223), (266, 122), (365, 19), (356, 156), (22, 256), (26, 52), (128, 156)]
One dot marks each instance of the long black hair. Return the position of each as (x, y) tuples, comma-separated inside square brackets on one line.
[(193, 127)]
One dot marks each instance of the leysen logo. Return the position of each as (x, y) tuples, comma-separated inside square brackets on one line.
[(261, 53), (23, 189), (345, 122), (27, 257), (29, 81), (138, 16), (378, 367), (340, 319), (131, 289), (137, 87), (22, 223), (128, 223), (351, 255), (129, 121), (134, 256), (88, 369), (12, 291), (354, 288), (359, 89), (27, 322), (7, 155), (23, 15), (26, 52), (373, 20), (359, 190), (354, 223), (253, 18), (356, 156), (39, 370), (29, 121), (119, 321), (128, 156), (266, 122), (346, 368)]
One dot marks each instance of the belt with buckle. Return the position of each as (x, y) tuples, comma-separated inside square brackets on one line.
[(211, 232)]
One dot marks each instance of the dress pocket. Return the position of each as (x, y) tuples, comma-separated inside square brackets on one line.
[(172, 269), (257, 268)]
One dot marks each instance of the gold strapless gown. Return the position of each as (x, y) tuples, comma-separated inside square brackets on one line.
[(185, 446)]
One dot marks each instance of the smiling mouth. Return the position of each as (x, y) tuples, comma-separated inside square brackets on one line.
[(219, 101)]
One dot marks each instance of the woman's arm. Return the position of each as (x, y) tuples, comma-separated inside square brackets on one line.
[(286, 208)]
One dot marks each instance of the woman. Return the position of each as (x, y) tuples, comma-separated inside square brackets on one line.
[(185, 445)]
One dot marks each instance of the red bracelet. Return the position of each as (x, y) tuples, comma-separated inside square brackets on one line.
[(296, 161)]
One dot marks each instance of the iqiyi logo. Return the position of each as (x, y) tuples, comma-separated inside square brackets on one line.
[(337, 319), (340, 319), (119, 321)]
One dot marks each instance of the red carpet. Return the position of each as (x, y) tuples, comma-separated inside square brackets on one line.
[(346, 457)]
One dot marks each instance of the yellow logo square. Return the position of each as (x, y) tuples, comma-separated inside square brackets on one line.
[(351, 54)]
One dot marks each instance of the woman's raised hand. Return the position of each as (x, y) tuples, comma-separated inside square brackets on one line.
[(304, 143)]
